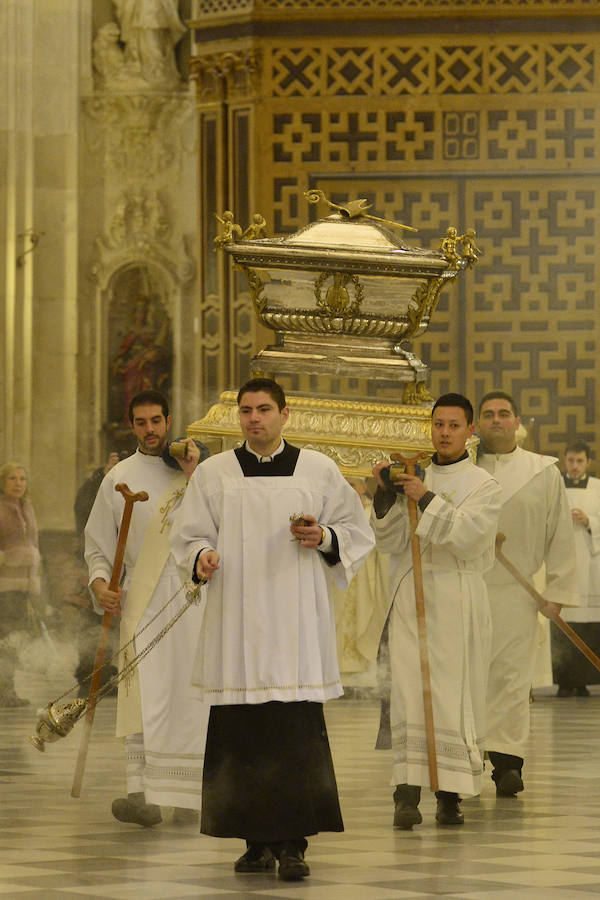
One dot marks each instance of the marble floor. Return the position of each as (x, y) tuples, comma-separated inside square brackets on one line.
[(545, 844)]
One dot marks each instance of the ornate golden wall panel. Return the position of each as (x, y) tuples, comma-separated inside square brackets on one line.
[(493, 129), (436, 66)]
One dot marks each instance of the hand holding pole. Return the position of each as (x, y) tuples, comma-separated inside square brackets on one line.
[(130, 498), (541, 602), (410, 462)]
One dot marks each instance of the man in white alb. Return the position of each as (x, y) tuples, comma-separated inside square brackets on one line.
[(536, 521), (572, 671), (459, 506), (163, 725), (267, 651)]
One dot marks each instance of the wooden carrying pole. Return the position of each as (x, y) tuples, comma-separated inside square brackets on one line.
[(115, 578), (540, 600), (409, 462)]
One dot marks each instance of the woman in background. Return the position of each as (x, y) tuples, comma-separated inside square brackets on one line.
[(19, 572)]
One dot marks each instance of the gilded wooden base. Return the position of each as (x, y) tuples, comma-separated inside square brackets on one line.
[(355, 435)]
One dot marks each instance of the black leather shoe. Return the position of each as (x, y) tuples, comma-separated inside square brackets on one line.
[(257, 858), (292, 866), (126, 809), (448, 810), (564, 692), (508, 783), (582, 691)]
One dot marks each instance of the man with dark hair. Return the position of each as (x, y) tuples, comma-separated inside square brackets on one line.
[(499, 395), (579, 467), (572, 671), (163, 727), (267, 651), (458, 506), (455, 400), (536, 522), (150, 398), (270, 387)]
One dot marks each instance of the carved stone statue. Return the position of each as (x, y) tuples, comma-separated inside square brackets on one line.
[(150, 30), (138, 52), (108, 56)]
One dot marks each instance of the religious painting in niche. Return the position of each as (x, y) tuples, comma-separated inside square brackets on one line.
[(140, 346)]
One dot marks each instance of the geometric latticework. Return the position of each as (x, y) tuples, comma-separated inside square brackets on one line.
[(435, 66), (496, 130), (525, 319), (533, 316)]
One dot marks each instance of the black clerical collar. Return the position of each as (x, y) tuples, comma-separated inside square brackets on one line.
[(576, 482), (434, 460), (282, 463)]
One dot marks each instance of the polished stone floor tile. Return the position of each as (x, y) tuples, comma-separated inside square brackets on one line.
[(542, 845)]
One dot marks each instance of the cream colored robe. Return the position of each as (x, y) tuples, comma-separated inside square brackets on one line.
[(456, 532), (172, 723), (536, 520)]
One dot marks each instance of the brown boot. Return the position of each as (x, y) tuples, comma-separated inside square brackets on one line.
[(448, 809), (133, 808), (406, 809)]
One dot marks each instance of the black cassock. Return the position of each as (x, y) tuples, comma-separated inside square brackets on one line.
[(268, 773)]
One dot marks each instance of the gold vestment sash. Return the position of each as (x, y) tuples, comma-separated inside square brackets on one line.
[(150, 563)]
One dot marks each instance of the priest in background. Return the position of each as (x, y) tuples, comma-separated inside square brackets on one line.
[(536, 521), (571, 669), (163, 726)]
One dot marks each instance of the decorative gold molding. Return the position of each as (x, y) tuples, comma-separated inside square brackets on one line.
[(425, 300), (265, 10), (355, 435), (227, 75)]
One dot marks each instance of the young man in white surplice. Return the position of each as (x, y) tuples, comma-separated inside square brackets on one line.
[(458, 505), (266, 656)]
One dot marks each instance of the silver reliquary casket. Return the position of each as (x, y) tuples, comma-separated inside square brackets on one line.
[(342, 296)]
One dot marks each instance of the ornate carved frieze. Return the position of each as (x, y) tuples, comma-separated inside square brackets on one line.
[(139, 231), (138, 135), (354, 434), (231, 74)]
